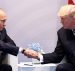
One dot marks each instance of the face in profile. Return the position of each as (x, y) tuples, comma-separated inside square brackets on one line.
[(67, 15), (68, 21), (2, 19)]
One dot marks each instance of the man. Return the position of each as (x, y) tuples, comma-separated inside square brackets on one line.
[(7, 45), (65, 44)]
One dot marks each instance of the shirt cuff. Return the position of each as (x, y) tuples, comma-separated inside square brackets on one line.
[(40, 57), (20, 49)]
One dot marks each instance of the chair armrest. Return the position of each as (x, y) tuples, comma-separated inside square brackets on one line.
[(13, 61)]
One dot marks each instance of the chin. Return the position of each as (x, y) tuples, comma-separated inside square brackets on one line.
[(1, 29), (68, 28)]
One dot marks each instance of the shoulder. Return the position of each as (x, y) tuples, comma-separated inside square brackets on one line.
[(61, 29), (61, 32)]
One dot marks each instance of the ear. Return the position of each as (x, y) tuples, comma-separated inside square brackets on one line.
[(71, 2)]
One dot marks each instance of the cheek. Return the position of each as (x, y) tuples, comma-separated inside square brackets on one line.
[(70, 25), (73, 23), (0, 24), (67, 24)]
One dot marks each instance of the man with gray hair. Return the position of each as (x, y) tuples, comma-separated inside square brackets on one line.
[(65, 44)]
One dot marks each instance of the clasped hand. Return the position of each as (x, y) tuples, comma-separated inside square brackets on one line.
[(31, 53)]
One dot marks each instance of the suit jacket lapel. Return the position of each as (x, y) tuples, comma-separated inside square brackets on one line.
[(2, 35)]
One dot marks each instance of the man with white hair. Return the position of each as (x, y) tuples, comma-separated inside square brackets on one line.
[(65, 44)]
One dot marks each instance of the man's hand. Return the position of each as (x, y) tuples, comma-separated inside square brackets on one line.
[(31, 53)]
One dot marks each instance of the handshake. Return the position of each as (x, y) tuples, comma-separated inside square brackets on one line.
[(30, 53), (34, 51)]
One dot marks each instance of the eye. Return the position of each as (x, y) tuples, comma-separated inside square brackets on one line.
[(2, 21)]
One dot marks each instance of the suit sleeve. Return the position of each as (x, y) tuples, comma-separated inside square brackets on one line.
[(8, 45), (57, 55), (9, 40)]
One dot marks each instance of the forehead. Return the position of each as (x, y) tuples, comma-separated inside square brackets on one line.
[(2, 15)]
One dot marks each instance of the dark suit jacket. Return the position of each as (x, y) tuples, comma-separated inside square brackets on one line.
[(65, 46), (7, 45)]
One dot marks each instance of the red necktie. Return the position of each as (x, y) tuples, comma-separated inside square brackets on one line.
[(70, 2)]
